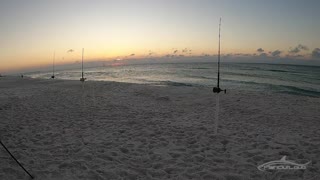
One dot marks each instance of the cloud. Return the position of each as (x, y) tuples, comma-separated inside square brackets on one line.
[(302, 47), (298, 56), (150, 53), (70, 51), (260, 50), (186, 50), (205, 55), (298, 48), (263, 55), (316, 53), (276, 53), (132, 54), (175, 51), (294, 50)]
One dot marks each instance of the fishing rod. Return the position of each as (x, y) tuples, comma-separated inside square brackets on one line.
[(2, 144), (82, 79), (218, 89), (16, 159), (54, 56)]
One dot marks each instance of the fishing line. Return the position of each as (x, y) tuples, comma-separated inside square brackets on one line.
[(11, 117), (15, 159)]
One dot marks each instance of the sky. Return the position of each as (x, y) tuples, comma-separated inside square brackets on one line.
[(32, 31)]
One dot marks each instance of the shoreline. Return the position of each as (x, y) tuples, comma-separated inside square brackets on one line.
[(172, 84), (112, 130)]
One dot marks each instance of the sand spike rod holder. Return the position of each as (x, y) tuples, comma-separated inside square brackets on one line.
[(218, 89)]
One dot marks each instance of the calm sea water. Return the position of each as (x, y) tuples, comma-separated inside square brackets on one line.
[(290, 79)]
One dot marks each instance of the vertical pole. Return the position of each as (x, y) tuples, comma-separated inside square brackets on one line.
[(82, 79), (82, 62), (93, 94), (218, 86), (83, 97), (219, 56), (217, 114), (54, 56)]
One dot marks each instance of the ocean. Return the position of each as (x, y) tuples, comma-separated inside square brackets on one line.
[(279, 78)]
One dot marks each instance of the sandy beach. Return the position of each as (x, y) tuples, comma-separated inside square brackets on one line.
[(60, 129)]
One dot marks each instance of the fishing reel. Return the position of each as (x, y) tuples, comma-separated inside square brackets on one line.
[(218, 90), (82, 79)]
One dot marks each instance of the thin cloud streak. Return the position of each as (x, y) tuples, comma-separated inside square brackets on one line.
[(70, 51), (298, 49), (276, 53)]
